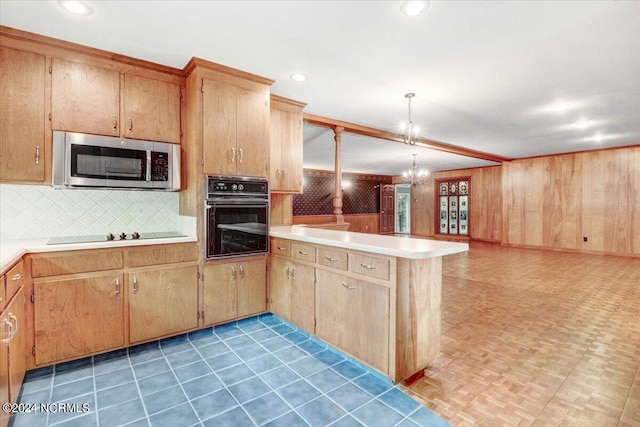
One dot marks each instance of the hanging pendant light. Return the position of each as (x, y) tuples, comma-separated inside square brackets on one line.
[(410, 131), (414, 176)]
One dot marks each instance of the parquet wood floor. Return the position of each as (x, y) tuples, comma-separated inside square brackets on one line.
[(536, 338)]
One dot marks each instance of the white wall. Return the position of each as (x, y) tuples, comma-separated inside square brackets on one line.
[(37, 211)]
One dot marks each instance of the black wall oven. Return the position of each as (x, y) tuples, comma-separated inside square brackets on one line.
[(236, 216)]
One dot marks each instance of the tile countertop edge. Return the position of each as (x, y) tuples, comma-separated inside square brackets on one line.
[(401, 247), (12, 250)]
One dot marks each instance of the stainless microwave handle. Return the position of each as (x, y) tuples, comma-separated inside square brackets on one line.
[(148, 177)]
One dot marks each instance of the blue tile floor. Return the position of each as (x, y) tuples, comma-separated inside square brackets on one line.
[(254, 372)]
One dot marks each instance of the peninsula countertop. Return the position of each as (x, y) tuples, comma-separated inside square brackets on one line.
[(397, 246)]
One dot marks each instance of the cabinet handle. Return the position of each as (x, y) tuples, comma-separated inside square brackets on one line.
[(7, 323), (233, 272), (241, 272), (233, 154), (115, 122), (16, 277), (277, 173), (281, 248), (303, 253), (351, 288), (14, 318), (284, 173), (135, 285), (117, 287), (330, 259), (37, 154), (368, 267), (130, 125), (287, 271), (241, 155), (293, 273)]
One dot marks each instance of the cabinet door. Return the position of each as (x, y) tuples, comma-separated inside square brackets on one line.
[(84, 98), (76, 317), (15, 313), (219, 127), (151, 109), (252, 132), (354, 315), (252, 287), (292, 152), (303, 297), (220, 293), (22, 128), (162, 301), (280, 288), (4, 370), (276, 137)]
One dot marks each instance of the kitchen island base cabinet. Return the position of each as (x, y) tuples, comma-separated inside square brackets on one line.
[(353, 315), (162, 301), (292, 292), (234, 289), (75, 317)]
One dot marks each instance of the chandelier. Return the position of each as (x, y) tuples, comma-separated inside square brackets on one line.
[(414, 176), (410, 131)]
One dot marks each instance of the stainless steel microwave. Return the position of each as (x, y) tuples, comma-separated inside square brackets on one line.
[(82, 160)]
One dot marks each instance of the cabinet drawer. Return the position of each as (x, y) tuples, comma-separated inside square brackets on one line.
[(332, 258), (281, 247), (305, 252), (15, 279), (161, 254), (369, 266), (75, 262)]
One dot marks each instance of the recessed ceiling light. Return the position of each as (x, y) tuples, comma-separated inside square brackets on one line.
[(77, 7), (298, 77), (414, 7)]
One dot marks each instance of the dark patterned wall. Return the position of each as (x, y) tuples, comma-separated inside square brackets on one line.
[(361, 196)]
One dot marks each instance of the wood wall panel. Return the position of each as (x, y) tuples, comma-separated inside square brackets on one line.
[(361, 223), (555, 201)]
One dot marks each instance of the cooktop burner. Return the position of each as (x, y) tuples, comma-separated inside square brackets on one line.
[(113, 237)]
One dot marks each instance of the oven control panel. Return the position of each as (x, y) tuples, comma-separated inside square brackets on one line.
[(230, 186)]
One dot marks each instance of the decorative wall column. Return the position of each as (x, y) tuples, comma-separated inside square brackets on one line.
[(337, 194)]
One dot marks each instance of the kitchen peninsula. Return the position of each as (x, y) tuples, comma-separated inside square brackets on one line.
[(376, 297)]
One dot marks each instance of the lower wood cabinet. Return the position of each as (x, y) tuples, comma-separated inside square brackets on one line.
[(234, 289), (162, 301), (292, 292), (75, 317), (13, 360), (353, 315)]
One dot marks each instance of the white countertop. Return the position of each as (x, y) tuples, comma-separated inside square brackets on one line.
[(401, 247), (12, 250)]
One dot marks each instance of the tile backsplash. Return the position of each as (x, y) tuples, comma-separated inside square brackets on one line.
[(39, 211)]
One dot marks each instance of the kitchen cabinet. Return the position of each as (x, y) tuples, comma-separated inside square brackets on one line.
[(89, 99), (22, 128), (353, 315), (286, 145), (77, 317), (162, 301), (234, 289), (235, 129), (292, 292)]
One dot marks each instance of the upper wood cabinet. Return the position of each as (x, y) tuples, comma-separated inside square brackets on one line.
[(286, 145), (22, 128), (89, 99), (235, 129)]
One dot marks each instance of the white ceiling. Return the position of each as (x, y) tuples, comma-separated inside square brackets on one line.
[(486, 73)]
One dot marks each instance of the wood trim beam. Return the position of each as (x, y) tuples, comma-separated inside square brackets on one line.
[(326, 122)]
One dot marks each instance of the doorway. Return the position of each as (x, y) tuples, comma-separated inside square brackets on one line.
[(403, 208)]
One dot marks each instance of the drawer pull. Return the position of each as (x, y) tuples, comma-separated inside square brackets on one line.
[(367, 266), (135, 285), (330, 259), (280, 248), (117, 287), (351, 288), (303, 253), (16, 277)]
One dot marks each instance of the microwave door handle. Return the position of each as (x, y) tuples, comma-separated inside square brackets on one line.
[(148, 174)]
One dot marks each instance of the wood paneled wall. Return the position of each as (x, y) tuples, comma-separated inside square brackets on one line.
[(556, 201), (485, 214), (361, 223)]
